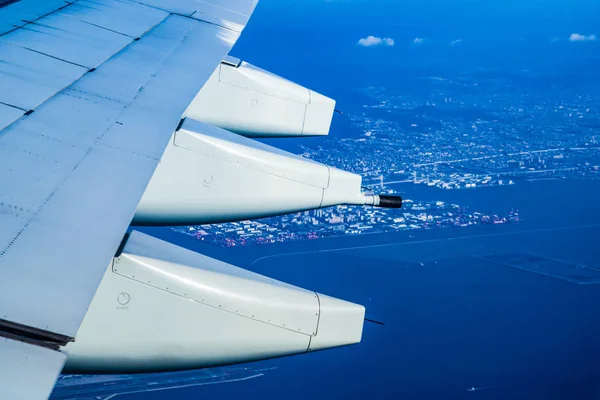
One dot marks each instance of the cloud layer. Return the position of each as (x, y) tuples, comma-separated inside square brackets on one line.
[(370, 41), (419, 40), (576, 37)]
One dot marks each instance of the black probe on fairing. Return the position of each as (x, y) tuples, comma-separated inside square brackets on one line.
[(383, 200), (390, 201)]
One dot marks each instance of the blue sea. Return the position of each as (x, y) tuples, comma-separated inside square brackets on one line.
[(457, 325)]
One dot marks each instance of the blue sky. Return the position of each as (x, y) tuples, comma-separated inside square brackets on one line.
[(310, 32)]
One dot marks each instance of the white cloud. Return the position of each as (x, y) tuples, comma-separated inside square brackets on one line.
[(370, 41), (419, 40), (576, 37), (455, 42)]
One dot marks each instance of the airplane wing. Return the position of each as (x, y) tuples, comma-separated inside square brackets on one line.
[(90, 93)]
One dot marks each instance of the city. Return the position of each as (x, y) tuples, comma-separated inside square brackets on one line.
[(467, 132), (478, 138), (343, 220)]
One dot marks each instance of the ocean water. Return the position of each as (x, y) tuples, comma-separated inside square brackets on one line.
[(454, 321)]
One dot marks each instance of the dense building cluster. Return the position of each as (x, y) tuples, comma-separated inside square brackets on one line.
[(484, 137), (466, 132), (343, 220)]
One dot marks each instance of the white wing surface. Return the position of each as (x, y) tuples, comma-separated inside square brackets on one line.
[(28, 371), (90, 93)]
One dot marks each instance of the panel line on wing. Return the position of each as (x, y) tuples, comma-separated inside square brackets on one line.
[(34, 21), (212, 13), (115, 21), (108, 29), (42, 9), (56, 58), (13, 106), (192, 16)]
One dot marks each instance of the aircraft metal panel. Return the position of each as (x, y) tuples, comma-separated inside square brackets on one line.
[(171, 85), (227, 289), (28, 78), (17, 14), (73, 117), (8, 115), (134, 327), (162, 307), (243, 109), (190, 187), (126, 17), (69, 39), (28, 372), (255, 79), (144, 245), (43, 163), (88, 165), (230, 14), (223, 145), (57, 253), (290, 308), (117, 81), (11, 221)]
